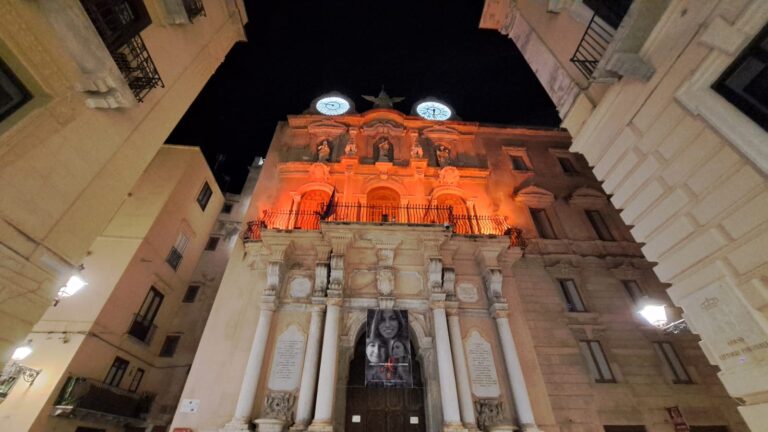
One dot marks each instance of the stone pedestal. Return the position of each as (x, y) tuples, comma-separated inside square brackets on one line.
[(270, 425)]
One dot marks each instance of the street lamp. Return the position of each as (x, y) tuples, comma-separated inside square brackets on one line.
[(74, 284), (655, 313)]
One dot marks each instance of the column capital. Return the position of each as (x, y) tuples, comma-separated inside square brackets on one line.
[(268, 302), (499, 310), (451, 308), (334, 301)]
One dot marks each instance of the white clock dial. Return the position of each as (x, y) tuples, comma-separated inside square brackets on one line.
[(332, 105), (433, 111)]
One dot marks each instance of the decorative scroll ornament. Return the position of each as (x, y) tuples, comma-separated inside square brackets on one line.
[(489, 413), (274, 275), (337, 272), (321, 279), (435, 275), (279, 405), (493, 278), (448, 176), (449, 281)]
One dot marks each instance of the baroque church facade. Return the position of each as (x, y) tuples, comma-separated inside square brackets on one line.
[(517, 276)]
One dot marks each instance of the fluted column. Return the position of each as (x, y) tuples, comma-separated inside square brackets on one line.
[(460, 365), (309, 374), (326, 385), (252, 371), (514, 369), (448, 395)]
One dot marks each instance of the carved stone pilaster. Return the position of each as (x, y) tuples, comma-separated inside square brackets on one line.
[(337, 272), (321, 279), (449, 281), (274, 277)]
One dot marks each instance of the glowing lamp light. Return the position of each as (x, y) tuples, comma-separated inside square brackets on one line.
[(21, 352), (653, 312), (74, 284)]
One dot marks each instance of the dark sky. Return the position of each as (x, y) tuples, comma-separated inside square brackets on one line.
[(299, 50)]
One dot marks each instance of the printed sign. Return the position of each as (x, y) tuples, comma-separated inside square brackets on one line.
[(678, 421), (387, 349)]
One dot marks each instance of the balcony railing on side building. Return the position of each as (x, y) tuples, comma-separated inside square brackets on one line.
[(82, 397), (461, 224), (119, 24), (599, 34), (194, 8)]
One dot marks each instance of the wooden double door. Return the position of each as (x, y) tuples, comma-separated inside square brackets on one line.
[(383, 409)]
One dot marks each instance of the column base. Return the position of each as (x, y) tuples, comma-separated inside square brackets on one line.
[(270, 425), (325, 426), (298, 428), (234, 426), (503, 428), (454, 427), (530, 428)]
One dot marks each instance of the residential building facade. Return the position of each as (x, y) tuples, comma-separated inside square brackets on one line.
[(89, 90), (516, 274), (116, 356), (666, 100)]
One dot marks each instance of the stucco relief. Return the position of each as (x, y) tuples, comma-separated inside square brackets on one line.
[(319, 172), (467, 292), (449, 176)]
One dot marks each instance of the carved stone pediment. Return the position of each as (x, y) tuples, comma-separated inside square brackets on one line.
[(326, 128), (441, 133), (588, 197), (383, 127), (534, 196)]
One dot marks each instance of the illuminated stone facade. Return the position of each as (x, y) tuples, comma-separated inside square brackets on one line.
[(517, 273)]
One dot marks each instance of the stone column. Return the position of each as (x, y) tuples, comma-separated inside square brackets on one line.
[(309, 374), (326, 385), (295, 205), (466, 404), (252, 371), (448, 395), (514, 369)]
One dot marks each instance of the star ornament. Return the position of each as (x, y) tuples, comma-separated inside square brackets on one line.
[(383, 100)]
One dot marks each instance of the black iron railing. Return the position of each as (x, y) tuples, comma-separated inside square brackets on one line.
[(194, 8), (83, 395), (599, 34), (119, 24), (459, 223), (142, 328)]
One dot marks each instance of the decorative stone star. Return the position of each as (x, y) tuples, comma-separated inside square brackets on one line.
[(383, 100)]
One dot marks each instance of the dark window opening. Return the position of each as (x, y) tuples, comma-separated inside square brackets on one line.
[(136, 380), (633, 289), (518, 163), (143, 325), (745, 82), (573, 301), (13, 94), (542, 223), (212, 243), (599, 225), (227, 209), (177, 251), (204, 196), (191, 294), (169, 346), (116, 372), (567, 165)]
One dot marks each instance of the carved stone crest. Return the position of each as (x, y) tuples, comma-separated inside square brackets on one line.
[(489, 413), (279, 405), (319, 172), (448, 176), (385, 281)]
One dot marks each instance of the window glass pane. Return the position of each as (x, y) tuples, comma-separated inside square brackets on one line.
[(587, 354), (572, 296), (598, 225), (543, 226), (567, 165), (169, 345), (673, 361), (633, 289), (212, 243), (181, 243), (13, 94), (204, 196), (602, 362), (518, 163), (227, 208), (116, 372), (191, 294), (136, 380)]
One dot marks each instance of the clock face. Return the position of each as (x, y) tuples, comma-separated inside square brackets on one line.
[(433, 111), (332, 105)]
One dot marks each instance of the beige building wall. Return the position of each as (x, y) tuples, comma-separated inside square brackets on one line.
[(688, 171), (266, 277), (67, 165), (83, 334)]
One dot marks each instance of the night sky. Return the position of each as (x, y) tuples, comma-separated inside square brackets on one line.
[(299, 50)]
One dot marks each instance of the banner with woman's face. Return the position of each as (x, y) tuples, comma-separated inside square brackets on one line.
[(387, 349)]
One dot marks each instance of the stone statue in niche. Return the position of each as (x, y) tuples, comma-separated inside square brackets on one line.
[(385, 150), (416, 151), (443, 153), (324, 150), (350, 149), (489, 413), (279, 405)]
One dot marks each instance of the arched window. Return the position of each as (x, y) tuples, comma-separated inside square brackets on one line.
[(310, 208), (457, 204)]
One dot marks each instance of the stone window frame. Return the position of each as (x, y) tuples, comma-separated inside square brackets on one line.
[(697, 96), (588, 199), (675, 377), (601, 377), (521, 152), (563, 153)]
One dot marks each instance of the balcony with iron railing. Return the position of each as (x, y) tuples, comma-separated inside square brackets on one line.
[(86, 398), (142, 328), (459, 223), (119, 24), (599, 34)]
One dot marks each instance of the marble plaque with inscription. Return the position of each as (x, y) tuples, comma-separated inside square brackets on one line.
[(467, 292), (482, 367), (300, 287), (287, 360), (726, 325)]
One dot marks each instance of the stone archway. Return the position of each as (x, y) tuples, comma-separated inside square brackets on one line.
[(383, 204)]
